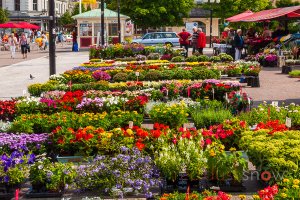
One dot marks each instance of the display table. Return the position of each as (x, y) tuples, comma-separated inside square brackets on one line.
[(220, 48)]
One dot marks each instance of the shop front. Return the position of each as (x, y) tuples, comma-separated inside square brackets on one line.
[(89, 27)]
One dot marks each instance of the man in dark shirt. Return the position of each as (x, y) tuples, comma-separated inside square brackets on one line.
[(195, 37)]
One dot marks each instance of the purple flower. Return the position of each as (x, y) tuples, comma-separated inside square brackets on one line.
[(101, 75)]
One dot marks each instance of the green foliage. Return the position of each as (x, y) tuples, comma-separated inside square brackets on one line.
[(295, 73), (120, 77), (76, 9), (204, 118), (203, 58), (66, 18), (278, 153), (178, 59), (153, 76), (191, 59), (173, 115), (3, 15), (286, 3), (155, 13)]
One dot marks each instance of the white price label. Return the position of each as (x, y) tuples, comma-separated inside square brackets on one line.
[(147, 126), (274, 103), (213, 90), (137, 73), (24, 92), (188, 125), (130, 124), (249, 101), (288, 122)]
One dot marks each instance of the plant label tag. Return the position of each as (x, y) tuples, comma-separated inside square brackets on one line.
[(274, 103), (188, 125), (147, 126), (249, 100), (24, 92), (130, 124), (213, 90), (137, 73), (288, 122)]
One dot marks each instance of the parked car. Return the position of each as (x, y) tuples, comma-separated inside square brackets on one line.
[(158, 38)]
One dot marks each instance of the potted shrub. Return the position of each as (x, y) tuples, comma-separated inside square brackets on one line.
[(50, 179)]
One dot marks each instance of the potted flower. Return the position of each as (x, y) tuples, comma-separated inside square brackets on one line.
[(50, 179), (13, 170)]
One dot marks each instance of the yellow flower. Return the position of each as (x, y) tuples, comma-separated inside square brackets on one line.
[(255, 196), (295, 186), (283, 195), (222, 147), (296, 182), (212, 153), (232, 149), (242, 197), (129, 131), (286, 180)]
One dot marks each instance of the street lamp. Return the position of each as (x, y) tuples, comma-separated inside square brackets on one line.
[(52, 33), (211, 16), (119, 22)]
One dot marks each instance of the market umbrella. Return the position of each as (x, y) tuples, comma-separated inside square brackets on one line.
[(239, 16), (27, 25), (9, 25)]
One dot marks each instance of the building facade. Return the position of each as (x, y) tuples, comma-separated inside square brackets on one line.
[(33, 11)]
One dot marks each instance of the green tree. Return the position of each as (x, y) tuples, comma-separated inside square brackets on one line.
[(154, 13), (76, 9), (286, 3), (228, 8), (3, 15), (66, 18), (88, 8)]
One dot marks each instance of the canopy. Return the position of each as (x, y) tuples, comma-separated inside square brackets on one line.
[(239, 16), (288, 12), (9, 25), (27, 25)]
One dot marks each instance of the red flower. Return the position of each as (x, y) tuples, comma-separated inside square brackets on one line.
[(140, 145)]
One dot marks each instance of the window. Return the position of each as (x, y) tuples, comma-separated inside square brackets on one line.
[(85, 30), (158, 36), (0, 3), (34, 5), (17, 5), (170, 35), (112, 29), (97, 28), (149, 36)]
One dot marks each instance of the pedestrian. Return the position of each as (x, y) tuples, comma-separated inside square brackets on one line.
[(238, 44), (184, 37), (12, 41), (195, 37), (74, 39), (24, 45), (45, 42), (201, 41)]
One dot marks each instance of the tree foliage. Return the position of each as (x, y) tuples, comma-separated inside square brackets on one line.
[(76, 9), (154, 13), (228, 8), (66, 18), (286, 3), (3, 15)]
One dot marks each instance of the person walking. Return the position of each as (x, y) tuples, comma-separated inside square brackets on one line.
[(238, 44), (195, 37), (12, 41), (184, 37), (201, 41), (24, 45)]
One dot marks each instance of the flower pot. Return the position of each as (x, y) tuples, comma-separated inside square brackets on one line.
[(73, 159), (255, 81), (45, 194)]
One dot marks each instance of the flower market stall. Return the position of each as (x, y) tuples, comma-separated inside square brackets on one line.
[(146, 128)]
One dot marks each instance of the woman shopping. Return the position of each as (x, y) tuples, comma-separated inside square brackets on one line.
[(12, 41), (24, 45)]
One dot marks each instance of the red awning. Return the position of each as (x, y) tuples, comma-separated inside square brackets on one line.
[(27, 25), (271, 14), (9, 25), (239, 16)]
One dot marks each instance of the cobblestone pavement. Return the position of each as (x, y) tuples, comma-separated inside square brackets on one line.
[(275, 86)]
